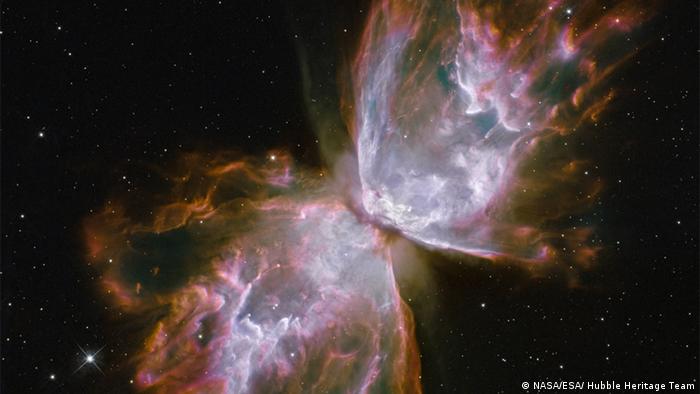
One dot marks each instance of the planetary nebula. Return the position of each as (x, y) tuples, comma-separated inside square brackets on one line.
[(259, 276)]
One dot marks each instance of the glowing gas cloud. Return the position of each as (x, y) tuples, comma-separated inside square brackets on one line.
[(271, 284), (261, 277), (451, 100)]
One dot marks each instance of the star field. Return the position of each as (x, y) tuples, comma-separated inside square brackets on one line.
[(94, 95)]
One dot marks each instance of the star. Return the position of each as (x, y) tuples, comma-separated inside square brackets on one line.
[(89, 358)]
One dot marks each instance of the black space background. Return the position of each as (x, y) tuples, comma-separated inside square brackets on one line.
[(123, 84)]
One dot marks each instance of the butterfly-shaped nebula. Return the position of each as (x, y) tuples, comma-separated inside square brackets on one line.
[(261, 276)]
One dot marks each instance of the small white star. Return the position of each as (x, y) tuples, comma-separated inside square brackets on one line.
[(90, 359), (41, 134), (52, 377), (483, 305)]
